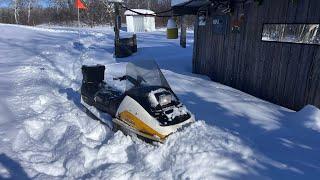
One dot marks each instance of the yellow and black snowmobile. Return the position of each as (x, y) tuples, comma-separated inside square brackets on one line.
[(148, 108)]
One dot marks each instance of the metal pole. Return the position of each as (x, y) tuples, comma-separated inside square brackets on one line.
[(78, 24)]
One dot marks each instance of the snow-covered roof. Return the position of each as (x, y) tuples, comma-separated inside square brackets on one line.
[(193, 3), (177, 2), (143, 11)]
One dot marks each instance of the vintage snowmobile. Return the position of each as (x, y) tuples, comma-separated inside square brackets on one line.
[(147, 108)]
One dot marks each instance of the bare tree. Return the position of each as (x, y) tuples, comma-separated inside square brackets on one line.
[(16, 8), (30, 5), (311, 34)]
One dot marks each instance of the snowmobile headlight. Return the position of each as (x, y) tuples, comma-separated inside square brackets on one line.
[(165, 99)]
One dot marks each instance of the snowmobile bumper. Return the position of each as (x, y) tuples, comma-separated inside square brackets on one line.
[(130, 130)]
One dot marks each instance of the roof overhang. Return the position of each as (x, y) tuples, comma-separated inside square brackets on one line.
[(185, 7), (181, 7)]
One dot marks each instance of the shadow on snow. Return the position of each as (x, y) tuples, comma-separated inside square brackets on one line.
[(14, 169)]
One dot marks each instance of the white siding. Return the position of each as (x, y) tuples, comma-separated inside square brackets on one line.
[(130, 25), (140, 23), (149, 24)]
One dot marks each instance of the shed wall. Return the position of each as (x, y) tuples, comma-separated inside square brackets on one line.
[(140, 23), (130, 25), (283, 73)]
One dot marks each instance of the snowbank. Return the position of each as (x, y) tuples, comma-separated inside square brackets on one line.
[(310, 116)]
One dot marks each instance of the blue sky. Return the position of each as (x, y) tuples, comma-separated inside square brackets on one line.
[(3, 4)]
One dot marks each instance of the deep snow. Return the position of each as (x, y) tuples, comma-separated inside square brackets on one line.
[(46, 135)]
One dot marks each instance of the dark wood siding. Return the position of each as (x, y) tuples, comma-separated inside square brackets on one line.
[(283, 73)]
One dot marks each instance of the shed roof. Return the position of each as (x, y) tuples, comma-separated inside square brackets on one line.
[(197, 3), (187, 6), (142, 11), (181, 7)]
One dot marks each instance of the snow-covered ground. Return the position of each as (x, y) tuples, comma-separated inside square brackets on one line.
[(46, 135)]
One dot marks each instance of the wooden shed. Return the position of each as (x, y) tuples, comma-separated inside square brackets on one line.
[(267, 48)]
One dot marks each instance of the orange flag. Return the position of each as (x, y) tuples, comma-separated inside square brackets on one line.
[(79, 4)]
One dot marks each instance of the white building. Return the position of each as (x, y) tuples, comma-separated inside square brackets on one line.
[(140, 23)]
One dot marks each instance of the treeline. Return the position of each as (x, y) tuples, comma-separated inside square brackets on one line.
[(98, 12), (297, 33)]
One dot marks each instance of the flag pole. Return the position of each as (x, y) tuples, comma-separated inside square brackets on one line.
[(78, 18), (78, 23)]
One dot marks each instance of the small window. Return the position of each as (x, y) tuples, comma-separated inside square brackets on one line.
[(292, 33)]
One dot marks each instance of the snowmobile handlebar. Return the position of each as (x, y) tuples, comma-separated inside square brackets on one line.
[(120, 78), (137, 82)]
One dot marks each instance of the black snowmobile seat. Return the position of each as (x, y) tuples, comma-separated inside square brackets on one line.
[(93, 74), (108, 100)]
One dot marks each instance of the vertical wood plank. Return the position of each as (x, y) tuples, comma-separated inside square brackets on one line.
[(295, 52), (195, 56)]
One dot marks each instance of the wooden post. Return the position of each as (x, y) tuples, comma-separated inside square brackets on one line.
[(134, 40), (183, 32), (116, 29), (116, 21)]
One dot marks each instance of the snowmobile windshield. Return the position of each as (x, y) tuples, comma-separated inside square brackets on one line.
[(144, 73)]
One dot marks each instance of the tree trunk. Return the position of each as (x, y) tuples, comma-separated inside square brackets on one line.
[(301, 33), (313, 38), (282, 32), (16, 11), (29, 12)]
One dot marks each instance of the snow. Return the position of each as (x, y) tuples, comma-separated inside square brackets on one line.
[(45, 134), (177, 2), (176, 110), (171, 24), (311, 116), (152, 98)]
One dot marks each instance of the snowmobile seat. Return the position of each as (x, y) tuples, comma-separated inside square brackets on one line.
[(93, 74), (108, 100)]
